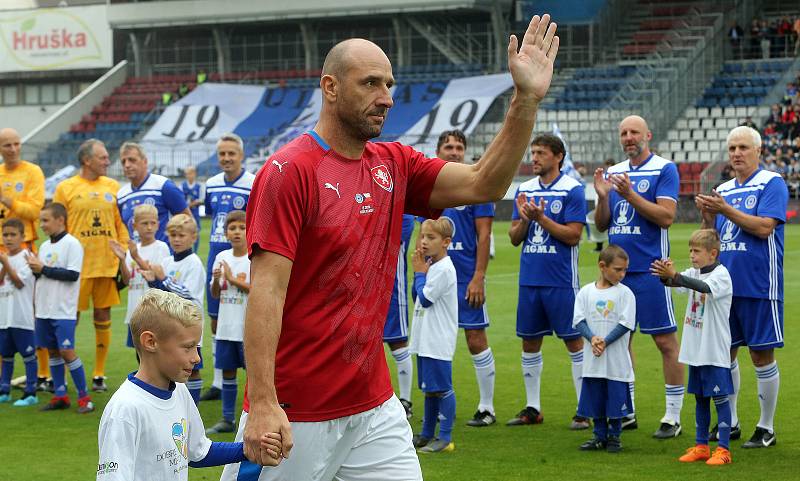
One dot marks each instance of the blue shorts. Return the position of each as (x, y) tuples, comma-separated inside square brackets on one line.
[(434, 375), (756, 323), (710, 381), (468, 316), (396, 327), (654, 313), (16, 340), (229, 355), (56, 333), (544, 310), (129, 338), (603, 398), (212, 302)]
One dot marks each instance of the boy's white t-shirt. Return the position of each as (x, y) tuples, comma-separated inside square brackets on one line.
[(434, 329), (153, 253), (187, 278), (16, 305), (232, 300), (603, 309), (706, 338), (144, 438), (55, 299)]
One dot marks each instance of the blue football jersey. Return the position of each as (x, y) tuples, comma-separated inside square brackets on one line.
[(755, 264), (408, 228), (644, 241), (157, 191), (192, 193), (464, 246), (546, 261), (223, 197)]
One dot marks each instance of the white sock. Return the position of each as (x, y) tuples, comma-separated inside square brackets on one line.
[(674, 395), (484, 372), (217, 381), (405, 371), (737, 380), (632, 392), (577, 372), (532, 376), (769, 380)]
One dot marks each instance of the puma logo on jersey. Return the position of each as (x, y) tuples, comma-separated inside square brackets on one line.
[(280, 165), (328, 185)]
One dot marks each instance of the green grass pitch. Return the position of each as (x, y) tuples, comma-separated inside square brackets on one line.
[(63, 445)]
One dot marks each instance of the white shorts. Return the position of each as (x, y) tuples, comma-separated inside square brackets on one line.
[(371, 446)]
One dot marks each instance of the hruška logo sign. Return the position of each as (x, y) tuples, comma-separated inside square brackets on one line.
[(55, 39)]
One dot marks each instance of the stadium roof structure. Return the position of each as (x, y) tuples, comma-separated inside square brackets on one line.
[(128, 16)]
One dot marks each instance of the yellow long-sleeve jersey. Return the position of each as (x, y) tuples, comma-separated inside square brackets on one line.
[(24, 185), (94, 219)]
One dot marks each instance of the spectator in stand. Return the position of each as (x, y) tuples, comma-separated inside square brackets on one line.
[(748, 122), (735, 35), (784, 31), (183, 90), (764, 39), (201, 77), (755, 34), (796, 30)]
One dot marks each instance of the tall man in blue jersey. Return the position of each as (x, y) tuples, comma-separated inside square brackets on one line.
[(395, 330), (749, 212), (225, 192), (636, 203), (469, 251), (146, 188), (548, 219), (195, 194)]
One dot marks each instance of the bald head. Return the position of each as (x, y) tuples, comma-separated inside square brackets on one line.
[(345, 53), (10, 145), (634, 138), (634, 121)]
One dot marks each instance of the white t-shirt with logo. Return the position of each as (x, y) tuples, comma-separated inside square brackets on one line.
[(232, 300), (16, 305), (706, 339), (145, 438), (603, 309), (54, 299), (153, 253), (434, 329)]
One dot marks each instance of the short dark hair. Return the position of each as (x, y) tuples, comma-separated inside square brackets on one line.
[(553, 143), (58, 210), (611, 252), (458, 134), (15, 223), (235, 216)]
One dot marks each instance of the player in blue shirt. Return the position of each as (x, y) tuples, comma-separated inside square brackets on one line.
[(225, 192), (548, 219), (195, 193), (636, 203), (395, 331), (749, 212), (469, 251), (146, 188)]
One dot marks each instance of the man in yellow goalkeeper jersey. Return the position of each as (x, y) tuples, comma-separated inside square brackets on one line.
[(22, 197), (93, 218)]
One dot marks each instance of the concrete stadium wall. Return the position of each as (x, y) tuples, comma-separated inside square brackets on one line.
[(27, 117)]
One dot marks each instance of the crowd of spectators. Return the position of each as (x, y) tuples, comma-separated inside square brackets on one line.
[(781, 134), (776, 38)]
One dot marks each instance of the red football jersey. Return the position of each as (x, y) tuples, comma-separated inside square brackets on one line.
[(339, 220)]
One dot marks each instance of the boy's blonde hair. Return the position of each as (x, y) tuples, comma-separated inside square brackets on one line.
[(181, 222), (160, 312), (707, 239), (441, 226), (142, 210)]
